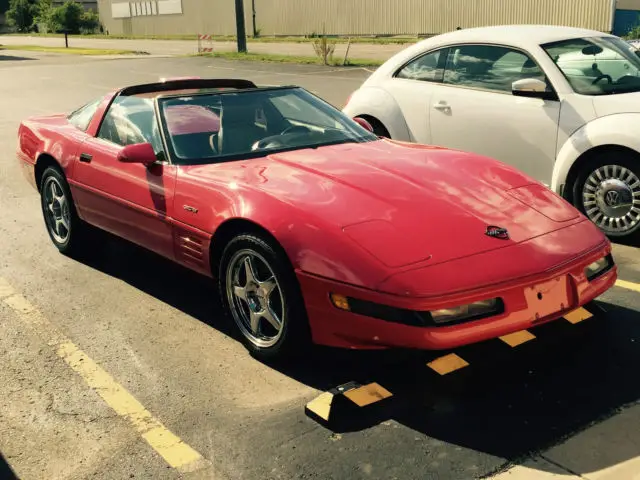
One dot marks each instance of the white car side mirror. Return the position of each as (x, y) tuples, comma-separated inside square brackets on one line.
[(531, 87)]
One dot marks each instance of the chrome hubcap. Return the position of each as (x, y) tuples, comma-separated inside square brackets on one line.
[(611, 198), (56, 210), (255, 298)]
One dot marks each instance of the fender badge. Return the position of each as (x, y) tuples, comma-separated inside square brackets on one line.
[(497, 232), (190, 209)]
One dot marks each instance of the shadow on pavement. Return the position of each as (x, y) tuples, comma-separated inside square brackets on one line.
[(14, 58), (508, 402), (6, 473)]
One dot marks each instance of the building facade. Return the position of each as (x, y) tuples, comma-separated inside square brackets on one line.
[(358, 17)]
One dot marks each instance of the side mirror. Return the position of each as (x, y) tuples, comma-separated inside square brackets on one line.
[(138, 153), (363, 123), (532, 88)]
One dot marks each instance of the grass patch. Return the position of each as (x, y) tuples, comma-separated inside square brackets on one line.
[(232, 38), (274, 58), (70, 50)]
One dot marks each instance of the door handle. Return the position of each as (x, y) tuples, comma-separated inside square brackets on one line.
[(85, 157), (442, 106)]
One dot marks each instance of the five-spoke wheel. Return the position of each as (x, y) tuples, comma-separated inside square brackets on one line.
[(255, 298), (63, 224), (261, 294)]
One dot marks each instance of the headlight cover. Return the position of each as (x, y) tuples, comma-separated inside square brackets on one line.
[(483, 308), (598, 267), (434, 318)]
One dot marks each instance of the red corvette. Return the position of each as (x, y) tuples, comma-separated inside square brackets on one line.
[(315, 229)]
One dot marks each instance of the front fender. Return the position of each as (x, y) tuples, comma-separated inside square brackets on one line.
[(378, 103), (619, 130), (312, 244)]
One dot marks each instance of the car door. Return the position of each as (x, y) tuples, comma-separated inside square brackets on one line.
[(412, 88), (128, 199), (474, 110)]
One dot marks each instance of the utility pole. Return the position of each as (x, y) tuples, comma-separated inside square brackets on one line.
[(240, 33), (253, 13)]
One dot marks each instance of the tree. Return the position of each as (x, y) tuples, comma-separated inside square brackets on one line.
[(66, 18), (43, 10), (21, 14)]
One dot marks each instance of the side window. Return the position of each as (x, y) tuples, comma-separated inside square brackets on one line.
[(131, 120), (488, 67), (425, 68), (81, 118)]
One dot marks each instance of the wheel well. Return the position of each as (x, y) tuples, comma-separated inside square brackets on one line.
[(375, 123), (231, 228), (586, 157), (44, 160)]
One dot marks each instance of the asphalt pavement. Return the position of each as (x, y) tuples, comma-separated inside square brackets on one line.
[(119, 365)]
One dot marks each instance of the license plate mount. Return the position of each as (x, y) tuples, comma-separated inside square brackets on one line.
[(547, 298)]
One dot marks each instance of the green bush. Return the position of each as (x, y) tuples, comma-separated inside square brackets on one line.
[(634, 33), (89, 22), (21, 14)]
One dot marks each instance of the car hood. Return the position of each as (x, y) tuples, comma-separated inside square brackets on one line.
[(403, 203), (619, 103)]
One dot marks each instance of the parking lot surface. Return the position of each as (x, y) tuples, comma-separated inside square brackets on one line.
[(120, 365)]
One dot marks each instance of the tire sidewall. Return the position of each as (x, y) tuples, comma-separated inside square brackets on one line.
[(295, 334), (52, 172), (593, 164)]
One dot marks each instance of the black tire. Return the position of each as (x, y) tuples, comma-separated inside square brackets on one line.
[(378, 128), (619, 159), (295, 335), (72, 242)]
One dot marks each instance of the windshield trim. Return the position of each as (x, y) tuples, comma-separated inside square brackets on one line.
[(607, 39), (176, 160)]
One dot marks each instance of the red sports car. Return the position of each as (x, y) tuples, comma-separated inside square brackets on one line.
[(315, 229)]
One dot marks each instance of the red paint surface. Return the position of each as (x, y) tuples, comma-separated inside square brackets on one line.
[(396, 224)]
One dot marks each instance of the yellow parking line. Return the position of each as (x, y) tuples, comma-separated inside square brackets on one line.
[(6, 290), (578, 315), (447, 364), (628, 285), (518, 338), (170, 447)]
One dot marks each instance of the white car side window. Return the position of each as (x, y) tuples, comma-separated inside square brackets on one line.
[(489, 67), (424, 68)]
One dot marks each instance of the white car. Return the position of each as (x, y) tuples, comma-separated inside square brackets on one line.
[(561, 104)]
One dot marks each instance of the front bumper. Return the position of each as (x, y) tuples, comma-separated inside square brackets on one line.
[(523, 309)]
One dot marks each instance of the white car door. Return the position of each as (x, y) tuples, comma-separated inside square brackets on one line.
[(412, 88), (474, 110)]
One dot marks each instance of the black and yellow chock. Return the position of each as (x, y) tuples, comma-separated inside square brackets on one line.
[(344, 403)]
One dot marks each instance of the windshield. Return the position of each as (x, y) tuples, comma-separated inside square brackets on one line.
[(217, 127), (598, 65)]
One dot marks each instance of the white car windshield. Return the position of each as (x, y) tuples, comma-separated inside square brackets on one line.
[(597, 65)]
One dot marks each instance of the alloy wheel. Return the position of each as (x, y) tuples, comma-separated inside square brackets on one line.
[(56, 210), (611, 199), (255, 298)]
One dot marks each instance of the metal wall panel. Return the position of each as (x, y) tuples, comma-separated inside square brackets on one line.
[(414, 17), (365, 17), (214, 17)]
